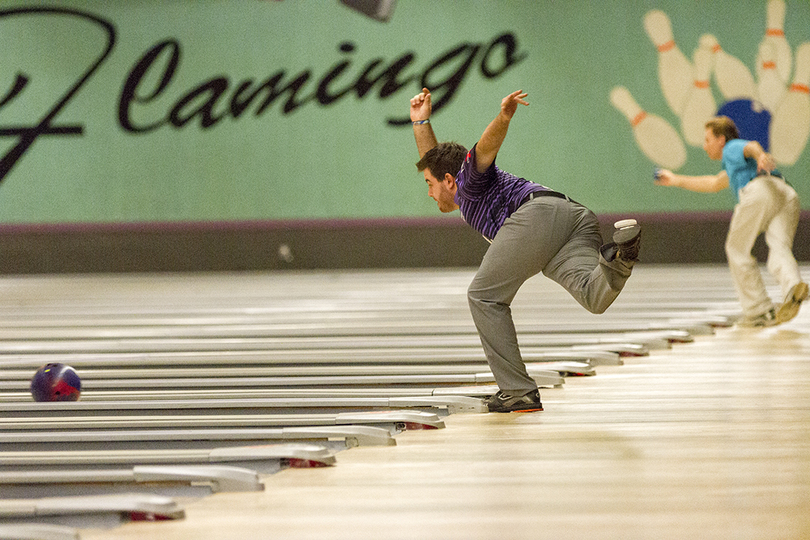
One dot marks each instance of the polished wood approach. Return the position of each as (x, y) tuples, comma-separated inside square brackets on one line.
[(708, 439)]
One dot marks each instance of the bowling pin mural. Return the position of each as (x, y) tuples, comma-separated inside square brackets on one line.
[(775, 36), (699, 105), (769, 108), (770, 87), (790, 125), (657, 139), (674, 69), (733, 78)]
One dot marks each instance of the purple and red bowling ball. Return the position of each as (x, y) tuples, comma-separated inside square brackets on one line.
[(56, 382)]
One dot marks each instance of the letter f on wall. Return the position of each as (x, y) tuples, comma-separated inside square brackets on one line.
[(28, 134)]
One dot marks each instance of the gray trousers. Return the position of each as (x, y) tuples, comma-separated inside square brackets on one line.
[(550, 235)]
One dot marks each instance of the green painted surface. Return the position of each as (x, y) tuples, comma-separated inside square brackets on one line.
[(336, 155)]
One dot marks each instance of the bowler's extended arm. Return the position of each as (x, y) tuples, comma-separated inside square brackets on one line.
[(703, 184), (493, 136), (420, 116)]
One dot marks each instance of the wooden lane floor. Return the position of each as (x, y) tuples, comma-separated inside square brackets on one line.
[(290, 304), (708, 438)]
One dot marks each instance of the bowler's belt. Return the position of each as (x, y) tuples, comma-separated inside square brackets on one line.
[(544, 193)]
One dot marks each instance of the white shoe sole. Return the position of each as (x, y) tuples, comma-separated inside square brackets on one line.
[(623, 224)]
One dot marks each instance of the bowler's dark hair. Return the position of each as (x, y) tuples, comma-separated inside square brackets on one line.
[(723, 125), (446, 157)]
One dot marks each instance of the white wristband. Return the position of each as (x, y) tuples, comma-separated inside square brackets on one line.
[(420, 122)]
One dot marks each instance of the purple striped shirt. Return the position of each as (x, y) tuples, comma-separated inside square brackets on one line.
[(487, 199)]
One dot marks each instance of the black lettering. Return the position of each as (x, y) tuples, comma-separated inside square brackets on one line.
[(238, 103), (201, 102), (466, 54), (390, 75), (129, 93), (453, 81), (209, 93), (363, 83), (152, 74), (445, 89), (509, 43), (241, 99), (28, 135), (322, 94), (291, 104), (19, 83), (366, 81)]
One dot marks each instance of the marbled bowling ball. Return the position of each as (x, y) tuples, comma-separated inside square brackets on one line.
[(56, 382)]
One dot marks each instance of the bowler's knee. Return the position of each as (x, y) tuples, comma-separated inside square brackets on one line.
[(597, 310), (480, 300), (475, 297), (733, 252)]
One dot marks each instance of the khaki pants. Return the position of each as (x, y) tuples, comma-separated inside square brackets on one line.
[(767, 204)]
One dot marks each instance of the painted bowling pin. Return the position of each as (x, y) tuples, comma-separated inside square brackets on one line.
[(674, 69), (770, 87), (775, 35), (655, 137), (733, 78), (790, 125), (700, 105)]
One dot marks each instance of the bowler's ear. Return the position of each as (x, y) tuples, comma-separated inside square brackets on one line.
[(450, 180)]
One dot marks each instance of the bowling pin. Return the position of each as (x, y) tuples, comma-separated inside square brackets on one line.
[(733, 78), (700, 105), (770, 86), (790, 125), (775, 35), (674, 69), (654, 136)]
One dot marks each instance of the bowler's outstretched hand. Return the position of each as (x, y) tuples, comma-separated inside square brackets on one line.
[(664, 177), (420, 106), (509, 103)]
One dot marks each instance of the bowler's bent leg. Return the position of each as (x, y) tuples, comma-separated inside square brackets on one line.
[(532, 237), (582, 270)]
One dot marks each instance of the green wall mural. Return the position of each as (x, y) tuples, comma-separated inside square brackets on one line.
[(239, 110)]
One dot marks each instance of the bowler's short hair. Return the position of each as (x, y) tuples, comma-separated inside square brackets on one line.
[(723, 125), (446, 157)]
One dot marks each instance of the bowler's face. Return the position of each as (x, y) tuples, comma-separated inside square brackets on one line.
[(713, 145), (441, 192)]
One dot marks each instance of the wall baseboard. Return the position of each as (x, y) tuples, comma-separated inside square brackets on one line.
[(297, 245)]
